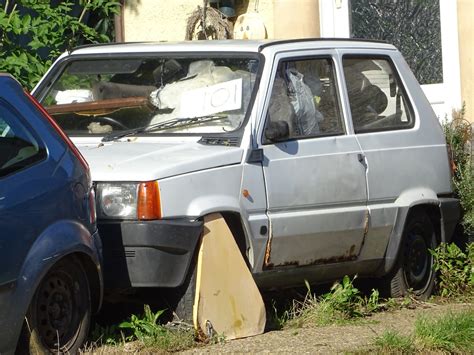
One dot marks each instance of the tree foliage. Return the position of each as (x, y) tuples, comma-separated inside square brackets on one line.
[(34, 32)]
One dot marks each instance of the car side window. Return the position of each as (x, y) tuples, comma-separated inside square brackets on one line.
[(18, 147), (304, 97), (377, 98)]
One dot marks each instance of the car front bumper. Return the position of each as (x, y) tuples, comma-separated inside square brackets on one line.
[(148, 253)]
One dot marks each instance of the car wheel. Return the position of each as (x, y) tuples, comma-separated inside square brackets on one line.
[(184, 296), (413, 272), (59, 315)]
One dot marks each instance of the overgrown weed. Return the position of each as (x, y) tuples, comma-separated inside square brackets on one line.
[(459, 135), (153, 335), (455, 271), (343, 303)]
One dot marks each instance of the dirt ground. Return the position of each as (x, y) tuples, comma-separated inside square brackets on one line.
[(332, 339)]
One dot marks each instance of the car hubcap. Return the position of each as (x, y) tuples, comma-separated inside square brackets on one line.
[(55, 310), (417, 261)]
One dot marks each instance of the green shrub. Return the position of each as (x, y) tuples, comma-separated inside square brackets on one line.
[(43, 28), (458, 135), (456, 270)]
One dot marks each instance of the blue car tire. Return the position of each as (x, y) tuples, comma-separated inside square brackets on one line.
[(59, 314)]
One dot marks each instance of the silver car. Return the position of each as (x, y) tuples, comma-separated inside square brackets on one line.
[(323, 156)]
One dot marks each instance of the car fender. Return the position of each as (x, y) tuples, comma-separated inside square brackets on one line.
[(57, 241), (405, 202), (204, 205), (197, 194)]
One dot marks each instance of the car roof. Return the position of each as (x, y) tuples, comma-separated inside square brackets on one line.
[(229, 45)]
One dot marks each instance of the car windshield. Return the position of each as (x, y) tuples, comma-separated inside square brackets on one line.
[(107, 96)]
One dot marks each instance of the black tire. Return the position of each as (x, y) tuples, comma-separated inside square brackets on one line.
[(59, 315), (185, 296), (413, 272)]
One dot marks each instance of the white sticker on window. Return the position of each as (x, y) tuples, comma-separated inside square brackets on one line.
[(212, 99)]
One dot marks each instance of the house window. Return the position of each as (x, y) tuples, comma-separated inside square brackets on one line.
[(413, 26)]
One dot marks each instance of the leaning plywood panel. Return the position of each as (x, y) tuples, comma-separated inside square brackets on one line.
[(227, 298)]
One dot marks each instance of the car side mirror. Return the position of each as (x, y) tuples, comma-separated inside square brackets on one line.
[(277, 131)]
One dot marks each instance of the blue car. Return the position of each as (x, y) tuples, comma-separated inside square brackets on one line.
[(50, 273)]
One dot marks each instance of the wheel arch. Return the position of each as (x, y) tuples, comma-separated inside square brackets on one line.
[(236, 225), (93, 276), (431, 208)]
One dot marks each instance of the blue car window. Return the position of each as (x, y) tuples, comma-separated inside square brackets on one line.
[(18, 147)]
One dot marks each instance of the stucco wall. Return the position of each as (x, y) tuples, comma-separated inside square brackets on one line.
[(466, 54), (157, 20), (165, 20), (296, 19)]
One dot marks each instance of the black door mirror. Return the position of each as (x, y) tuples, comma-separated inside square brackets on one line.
[(277, 131)]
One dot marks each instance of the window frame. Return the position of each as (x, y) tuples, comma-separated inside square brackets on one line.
[(41, 90), (35, 159), (405, 96), (337, 92)]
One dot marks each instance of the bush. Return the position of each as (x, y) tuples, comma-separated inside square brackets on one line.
[(458, 134), (33, 33), (456, 270)]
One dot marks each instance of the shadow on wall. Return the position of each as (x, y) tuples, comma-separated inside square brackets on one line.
[(132, 5)]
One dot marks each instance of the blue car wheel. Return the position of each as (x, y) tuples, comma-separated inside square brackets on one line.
[(59, 315)]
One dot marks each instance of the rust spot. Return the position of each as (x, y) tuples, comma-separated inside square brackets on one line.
[(349, 256), (268, 249), (366, 223), (290, 263), (334, 259), (351, 250)]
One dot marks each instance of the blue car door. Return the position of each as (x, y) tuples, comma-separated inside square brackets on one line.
[(29, 172)]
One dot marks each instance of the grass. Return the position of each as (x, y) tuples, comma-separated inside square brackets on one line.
[(390, 342), (452, 333), (145, 333), (343, 304)]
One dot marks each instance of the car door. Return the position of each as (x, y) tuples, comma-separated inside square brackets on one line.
[(315, 177), (401, 149), (27, 188)]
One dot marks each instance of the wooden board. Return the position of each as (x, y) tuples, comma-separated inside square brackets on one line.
[(226, 295)]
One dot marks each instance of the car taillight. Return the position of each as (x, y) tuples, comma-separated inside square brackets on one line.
[(63, 135)]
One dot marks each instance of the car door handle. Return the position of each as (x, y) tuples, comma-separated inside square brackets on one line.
[(361, 159)]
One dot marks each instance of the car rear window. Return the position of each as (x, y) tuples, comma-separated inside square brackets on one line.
[(18, 147), (377, 98)]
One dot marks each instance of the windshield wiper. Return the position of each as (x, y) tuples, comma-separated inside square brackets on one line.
[(174, 123)]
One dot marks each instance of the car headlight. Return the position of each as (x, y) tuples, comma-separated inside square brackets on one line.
[(129, 200)]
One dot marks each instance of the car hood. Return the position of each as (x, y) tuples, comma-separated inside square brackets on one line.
[(145, 161)]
